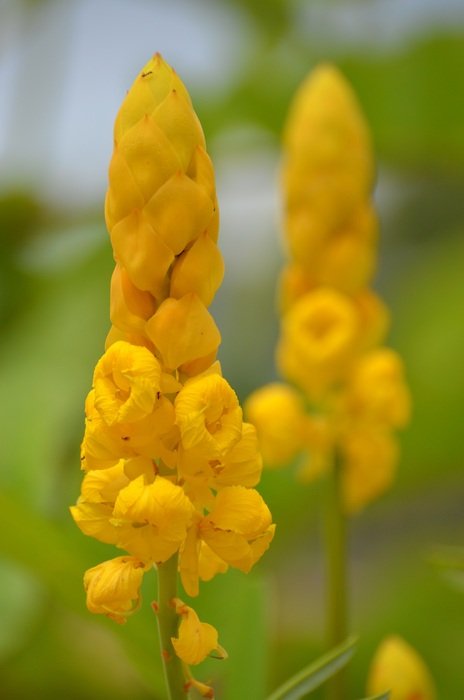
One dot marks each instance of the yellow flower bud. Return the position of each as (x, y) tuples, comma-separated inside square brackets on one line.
[(329, 168), (200, 269), (397, 667), (113, 587), (183, 331), (130, 307), (277, 411), (196, 639), (369, 458), (377, 391)]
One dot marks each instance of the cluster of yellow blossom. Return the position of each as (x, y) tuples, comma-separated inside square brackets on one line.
[(349, 393), (169, 462)]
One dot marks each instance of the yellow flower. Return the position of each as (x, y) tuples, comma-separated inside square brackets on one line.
[(277, 412), (184, 332), (113, 587), (130, 307), (196, 640), (209, 416), (319, 336), (126, 383), (397, 667), (239, 527), (152, 519), (370, 457), (377, 391), (151, 436)]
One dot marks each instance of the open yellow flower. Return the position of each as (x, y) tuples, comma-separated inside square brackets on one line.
[(152, 519), (126, 383), (113, 587), (209, 416), (319, 336)]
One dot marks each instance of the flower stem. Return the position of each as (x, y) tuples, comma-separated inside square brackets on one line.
[(337, 579), (167, 628)]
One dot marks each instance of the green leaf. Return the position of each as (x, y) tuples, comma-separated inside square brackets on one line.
[(316, 673), (383, 696)]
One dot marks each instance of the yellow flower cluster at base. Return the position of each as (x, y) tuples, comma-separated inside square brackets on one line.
[(347, 393), (170, 464)]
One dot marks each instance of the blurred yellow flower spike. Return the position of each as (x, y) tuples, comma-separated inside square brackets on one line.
[(169, 463), (113, 587), (349, 392), (397, 667), (196, 640)]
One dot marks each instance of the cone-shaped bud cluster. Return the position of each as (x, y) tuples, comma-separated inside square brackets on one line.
[(332, 325), (170, 463)]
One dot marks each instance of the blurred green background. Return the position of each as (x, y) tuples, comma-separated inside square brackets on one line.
[(64, 69)]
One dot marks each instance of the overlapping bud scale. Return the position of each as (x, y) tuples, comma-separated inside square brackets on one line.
[(332, 325), (169, 462)]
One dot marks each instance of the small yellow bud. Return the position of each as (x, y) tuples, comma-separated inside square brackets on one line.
[(277, 411), (397, 667), (196, 639), (183, 331)]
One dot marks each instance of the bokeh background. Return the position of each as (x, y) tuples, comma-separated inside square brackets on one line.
[(64, 69)]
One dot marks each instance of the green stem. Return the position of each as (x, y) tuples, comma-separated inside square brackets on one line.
[(337, 579), (167, 627)]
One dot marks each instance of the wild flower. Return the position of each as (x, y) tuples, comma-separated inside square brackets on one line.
[(170, 464)]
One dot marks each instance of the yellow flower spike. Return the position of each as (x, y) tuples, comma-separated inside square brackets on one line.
[(239, 528), (209, 415), (277, 412), (397, 667), (153, 518), (183, 331), (126, 383), (130, 307), (113, 587), (196, 640), (329, 168), (188, 274)]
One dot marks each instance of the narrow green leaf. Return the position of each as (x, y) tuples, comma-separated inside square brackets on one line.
[(383, 696), (315, 674)]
